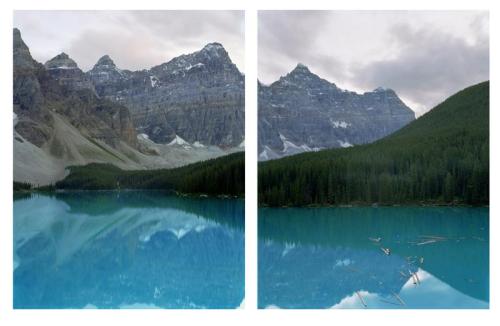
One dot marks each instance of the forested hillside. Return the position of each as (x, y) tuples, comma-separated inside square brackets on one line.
[(220, 176), (442, 157)]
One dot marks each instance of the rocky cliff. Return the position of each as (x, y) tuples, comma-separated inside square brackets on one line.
[(303, 112), (198, 97), (61, 87), (33, 120), (63, 116)]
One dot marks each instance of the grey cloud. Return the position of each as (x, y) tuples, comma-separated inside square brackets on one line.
[(128, 50), (134, 39), (291, 32), (424, 56), (429, 67), (289, 37), (189, 24)]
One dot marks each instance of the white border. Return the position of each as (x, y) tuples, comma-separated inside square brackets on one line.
[(250, 159), (249, 315)]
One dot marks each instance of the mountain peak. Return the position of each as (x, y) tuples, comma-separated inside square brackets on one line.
[(61, 61), (105, 60), (301, 75), (211, 55), (214, 50), (302, 68), (22, 56), (18, 40), (214, 46), (17, 33), (381, 89)]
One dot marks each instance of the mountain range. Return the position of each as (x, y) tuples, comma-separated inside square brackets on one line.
[(302, 112), (440, 158), (198, 97), (182, 111)]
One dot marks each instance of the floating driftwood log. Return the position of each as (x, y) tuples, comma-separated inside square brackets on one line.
[(361, 299), (426, 242), (386, 251), (427, 239), (399, 299)]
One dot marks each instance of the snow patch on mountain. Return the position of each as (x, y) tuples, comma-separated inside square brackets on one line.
[(339, 124), (345, 144), (154, 81), (268, 154), (198, 65), (179, 142), (290, 148), (197, 144)]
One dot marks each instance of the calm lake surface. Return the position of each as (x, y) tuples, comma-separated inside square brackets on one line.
[(387, 257), (128, 250)]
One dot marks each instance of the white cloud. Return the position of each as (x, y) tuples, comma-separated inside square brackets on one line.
[(134, 39)]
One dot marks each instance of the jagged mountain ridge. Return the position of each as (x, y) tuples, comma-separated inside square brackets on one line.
[(60, 87), (303, 112), (65, 70), (60, 120), (198, 97)]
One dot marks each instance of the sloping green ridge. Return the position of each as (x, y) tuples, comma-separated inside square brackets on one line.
[(442, 157)]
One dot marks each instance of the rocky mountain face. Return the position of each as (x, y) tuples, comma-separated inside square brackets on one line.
[(183, 111), (198, 97), (33, 121), (60, 87), (66, 72), (303, 112)]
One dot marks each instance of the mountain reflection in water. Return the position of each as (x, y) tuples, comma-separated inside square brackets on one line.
[(128, 249), (387, 257)]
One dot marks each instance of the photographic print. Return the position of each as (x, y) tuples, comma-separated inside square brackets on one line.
[(373, 166), (128, 159)]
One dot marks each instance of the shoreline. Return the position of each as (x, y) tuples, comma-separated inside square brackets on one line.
[(368, 205), (168, 192)]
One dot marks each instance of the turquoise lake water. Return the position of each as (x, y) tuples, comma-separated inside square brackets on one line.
[(366, 257), (128, 250)]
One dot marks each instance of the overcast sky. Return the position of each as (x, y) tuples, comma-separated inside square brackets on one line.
[(424, 56), (134, 39)]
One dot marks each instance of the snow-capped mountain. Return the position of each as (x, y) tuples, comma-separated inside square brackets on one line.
[(302, 112), (186, 110), (197, 96)]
